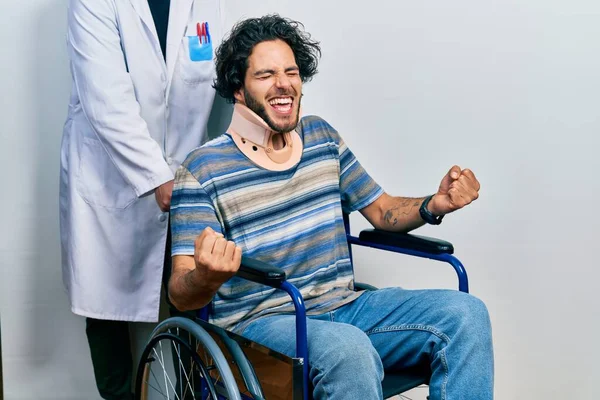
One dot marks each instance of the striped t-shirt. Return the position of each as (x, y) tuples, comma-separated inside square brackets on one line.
[(291, 219)]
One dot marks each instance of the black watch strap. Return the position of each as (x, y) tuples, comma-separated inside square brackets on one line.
[(427, 215)]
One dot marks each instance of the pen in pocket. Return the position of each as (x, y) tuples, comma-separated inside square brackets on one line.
[(207, 32), (203, 33), (200, 45)]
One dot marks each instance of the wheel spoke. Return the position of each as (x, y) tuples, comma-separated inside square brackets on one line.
[(166, 375), (201, 374), (182, 369), (159, 391), (157, 382)]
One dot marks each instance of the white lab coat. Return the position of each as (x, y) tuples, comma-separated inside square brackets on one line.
[(132, 120)]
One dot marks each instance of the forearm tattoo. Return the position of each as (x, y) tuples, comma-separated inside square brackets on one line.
[(401, 210)]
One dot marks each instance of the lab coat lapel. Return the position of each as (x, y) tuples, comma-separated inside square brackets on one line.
[(179, 13), (143, 10)]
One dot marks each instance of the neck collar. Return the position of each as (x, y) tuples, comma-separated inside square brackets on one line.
[(254, 138)]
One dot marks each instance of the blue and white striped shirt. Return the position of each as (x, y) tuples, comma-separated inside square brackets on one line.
[(291, 219)]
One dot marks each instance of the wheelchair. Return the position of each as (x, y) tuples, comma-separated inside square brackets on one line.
[(188, 358)]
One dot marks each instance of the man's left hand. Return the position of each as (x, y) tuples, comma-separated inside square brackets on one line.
[(458, 188)]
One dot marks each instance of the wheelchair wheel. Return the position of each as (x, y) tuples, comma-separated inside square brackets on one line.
[(180, 362)]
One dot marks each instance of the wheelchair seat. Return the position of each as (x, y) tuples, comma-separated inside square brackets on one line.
[(398, 382)]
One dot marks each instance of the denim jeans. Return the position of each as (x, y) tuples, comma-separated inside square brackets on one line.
[(350, 347)]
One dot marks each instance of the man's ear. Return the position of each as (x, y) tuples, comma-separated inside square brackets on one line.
[(239, 96)]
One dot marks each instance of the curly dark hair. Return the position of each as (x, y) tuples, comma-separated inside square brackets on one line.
[(232, 55)]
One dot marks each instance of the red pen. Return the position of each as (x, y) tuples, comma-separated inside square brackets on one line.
[(199, 32), (204, 32)]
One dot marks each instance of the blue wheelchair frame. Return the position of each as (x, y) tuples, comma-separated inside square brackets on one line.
[(409, 244)]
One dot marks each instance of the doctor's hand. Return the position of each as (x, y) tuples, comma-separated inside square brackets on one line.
[(457, 189), (163, 195), (216, 258)]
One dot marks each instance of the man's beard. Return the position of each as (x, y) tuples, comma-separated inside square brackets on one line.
[(259, 109)]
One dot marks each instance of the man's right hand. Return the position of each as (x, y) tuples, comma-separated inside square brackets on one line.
[(217, 259), (195, 280)]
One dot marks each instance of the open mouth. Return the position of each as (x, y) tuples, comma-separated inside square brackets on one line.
[(282, 105)]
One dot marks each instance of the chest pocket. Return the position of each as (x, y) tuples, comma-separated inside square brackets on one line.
[(195, 62)]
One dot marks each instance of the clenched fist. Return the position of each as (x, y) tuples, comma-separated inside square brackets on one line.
[(458, 188), (217, 259)]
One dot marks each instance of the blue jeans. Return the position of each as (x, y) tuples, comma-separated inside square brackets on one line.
[(387, 329)]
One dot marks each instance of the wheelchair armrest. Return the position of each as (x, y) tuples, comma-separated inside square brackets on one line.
[(261, 272), (407, 241), (360, 286)]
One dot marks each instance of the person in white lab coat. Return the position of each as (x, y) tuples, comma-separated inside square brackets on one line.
[(141, 97)]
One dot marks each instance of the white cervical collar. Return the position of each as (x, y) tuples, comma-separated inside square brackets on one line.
[(254, 138)]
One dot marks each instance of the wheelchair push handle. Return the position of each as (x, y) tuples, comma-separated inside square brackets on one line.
[(261, 272)]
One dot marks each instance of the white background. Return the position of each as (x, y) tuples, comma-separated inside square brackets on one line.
[(510, 89)]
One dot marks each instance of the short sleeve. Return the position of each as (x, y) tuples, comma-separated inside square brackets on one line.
[(192, 210), (357, 188)]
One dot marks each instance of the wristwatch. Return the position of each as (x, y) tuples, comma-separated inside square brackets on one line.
[(427, 215)]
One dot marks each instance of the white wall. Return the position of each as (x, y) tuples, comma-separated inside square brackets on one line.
[(509, 89)]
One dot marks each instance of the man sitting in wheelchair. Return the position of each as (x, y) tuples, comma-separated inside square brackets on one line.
[(274, 188)]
